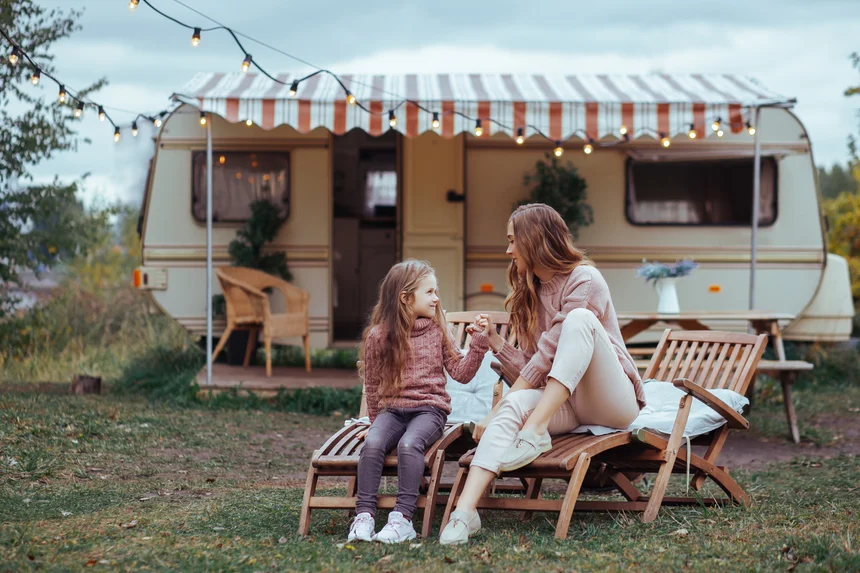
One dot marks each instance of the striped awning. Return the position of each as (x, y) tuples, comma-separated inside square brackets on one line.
[(560, 106)]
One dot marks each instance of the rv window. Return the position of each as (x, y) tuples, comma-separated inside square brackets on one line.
[(239, 178), (712, 192)]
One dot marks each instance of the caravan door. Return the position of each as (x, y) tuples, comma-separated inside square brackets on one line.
[(433, 210)]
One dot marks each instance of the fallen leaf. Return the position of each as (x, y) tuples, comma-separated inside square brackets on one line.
[(130, 524), (680, 532), (385, 559), (340, 545), (27, 500), (282, 540), (350, 547), (415, 546), (210, 480), (448, 559), (90, 563), (217, 528), (147, 498), (65, 513)]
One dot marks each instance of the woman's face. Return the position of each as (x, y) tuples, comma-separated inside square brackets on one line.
[(514, 252)]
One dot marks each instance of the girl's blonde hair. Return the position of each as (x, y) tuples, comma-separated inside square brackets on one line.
[(394, 319), (542, 239)]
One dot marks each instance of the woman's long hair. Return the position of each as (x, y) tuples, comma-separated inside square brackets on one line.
[(542, 239), (394, 319)]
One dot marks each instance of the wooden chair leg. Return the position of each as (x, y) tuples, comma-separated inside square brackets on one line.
[(306, 343), (432, 492), (222, 342), (310, 489), (787, 379), (249, 349), (268, 344), (666, 467), (533, 492), (573, 486), (351, 491), (456, 490)]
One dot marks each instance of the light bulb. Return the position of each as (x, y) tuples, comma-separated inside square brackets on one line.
[(116, 135), (588, 148), (202, 118), (558, 151), (350, 99), (62, 95), (294, 88), (14, 56), (222, 160), (622, 130), (720, 133), (79, 110), (520, 136), (435, 120), (692, 133), (665, 141), (34, 79), (156, 122), (134, 129), (101, 113), (716, 125), (249, 122), (392, 119), (246, 63), (132, 4), (750, 129), (479, 131), (195, 37)]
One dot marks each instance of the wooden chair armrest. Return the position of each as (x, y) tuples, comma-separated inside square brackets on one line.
[(734, 419)]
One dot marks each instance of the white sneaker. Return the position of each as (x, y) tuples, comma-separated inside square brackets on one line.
[(362, 528), (526, 448), (397, 529), (460, 526)]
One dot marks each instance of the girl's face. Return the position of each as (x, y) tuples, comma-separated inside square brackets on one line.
[(513, 251), (425, 298)]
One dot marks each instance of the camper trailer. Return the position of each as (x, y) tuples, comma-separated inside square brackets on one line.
[(669, 173)]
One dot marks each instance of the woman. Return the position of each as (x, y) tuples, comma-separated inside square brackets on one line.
[(571, 367)]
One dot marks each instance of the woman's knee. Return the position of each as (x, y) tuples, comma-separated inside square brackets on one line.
[(577, 319), (522, 401)]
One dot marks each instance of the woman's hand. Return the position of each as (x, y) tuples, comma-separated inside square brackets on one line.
[(486, 324), (478, 431)]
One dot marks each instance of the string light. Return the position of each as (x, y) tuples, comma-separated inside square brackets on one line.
[(34, 79), (132, 4), (79, 110), (623, 129), (350, 98), (156, 122), (116, 135), (479, 131), (720, 133), (392, 119), (750, 128), (558, 149), (13, 57), (692, 133), (588, 147), (134, 129), (195, 37), (435, 123), (665, 141), (62, 95), (249, 122), (246, 63), (294, 88), (101, 113), (716, 125), (520, 137), (202, 118)]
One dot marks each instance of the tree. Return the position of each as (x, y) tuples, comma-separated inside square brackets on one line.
[(560, 187), (38, 222), (835, 181)]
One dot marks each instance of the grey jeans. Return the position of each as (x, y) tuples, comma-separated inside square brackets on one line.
[(412, 430)]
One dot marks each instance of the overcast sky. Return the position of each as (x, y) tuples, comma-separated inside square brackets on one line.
[(798, 48)]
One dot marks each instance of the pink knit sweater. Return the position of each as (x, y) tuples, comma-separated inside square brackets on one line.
[(422, 382), (584, 287)]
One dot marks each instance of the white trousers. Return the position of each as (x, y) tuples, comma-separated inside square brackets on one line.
[(586, 364)]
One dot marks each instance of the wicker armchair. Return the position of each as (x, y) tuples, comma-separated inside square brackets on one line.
[(248, 309)]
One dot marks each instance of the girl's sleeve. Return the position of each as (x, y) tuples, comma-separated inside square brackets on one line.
[(540, 364), (463, 368), (371, 374)]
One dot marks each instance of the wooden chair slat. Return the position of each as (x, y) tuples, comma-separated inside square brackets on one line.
[(691, 355), (730, 366), (678, 359), (712, 379), (694, 369), (663, 371), (738, 373)]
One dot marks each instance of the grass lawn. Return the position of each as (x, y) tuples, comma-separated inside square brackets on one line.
[(116, 483)]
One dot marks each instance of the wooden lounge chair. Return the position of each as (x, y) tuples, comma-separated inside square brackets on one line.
[(694, 361), (248, 309), (338, 457)]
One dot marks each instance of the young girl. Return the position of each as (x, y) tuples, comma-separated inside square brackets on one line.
[(403, 352)]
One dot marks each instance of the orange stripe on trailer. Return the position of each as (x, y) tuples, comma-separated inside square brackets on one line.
[(555, 117), (484, 116), (663, 118), (232, 114), (411, 119), (268, 121), (628, 116), (519, 115), (699, 119), (735, 118), (375, 127), (592, 109), (136, 278), (447, 119)]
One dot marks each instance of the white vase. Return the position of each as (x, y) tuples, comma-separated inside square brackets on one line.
[(667, 296)]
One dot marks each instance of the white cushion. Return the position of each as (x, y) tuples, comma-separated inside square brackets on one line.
[(662, 400), (471, 402)]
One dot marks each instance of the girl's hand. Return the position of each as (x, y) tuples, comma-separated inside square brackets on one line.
[(362, 434), (489, 329)]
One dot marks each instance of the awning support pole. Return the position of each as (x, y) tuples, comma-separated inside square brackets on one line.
[(756, 206), (209, 251)]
